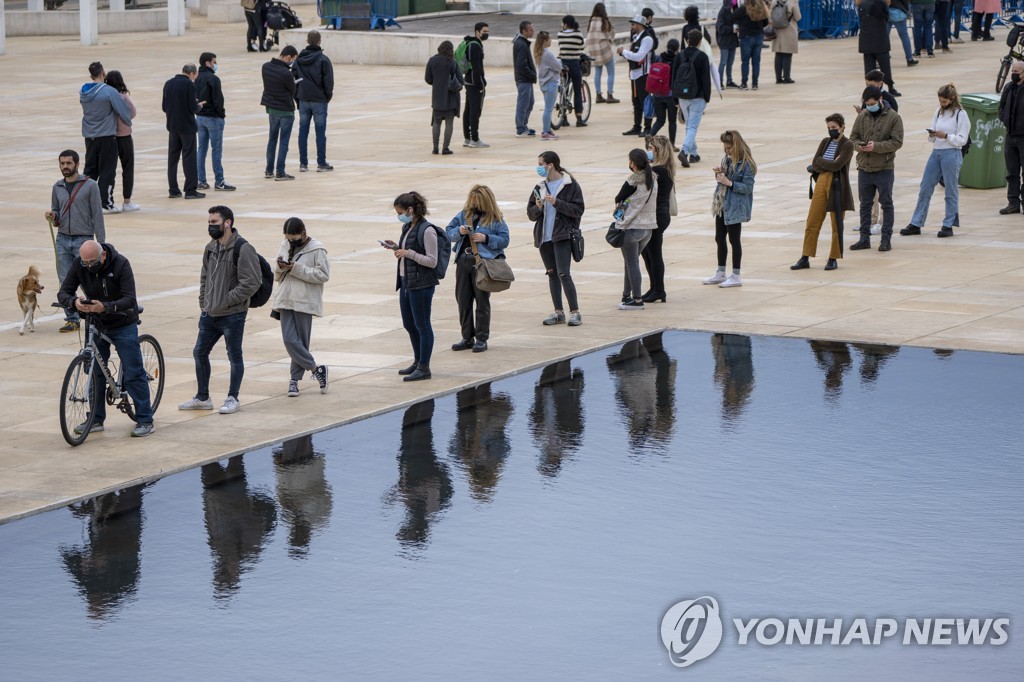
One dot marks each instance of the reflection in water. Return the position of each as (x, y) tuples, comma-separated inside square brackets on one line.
[(480, 442), (239, 523), (302, 491), (556, 419), (833, 357), (734, 373), (106, 567), (874, 357), (645, 390), (424, 484), (944, 353)]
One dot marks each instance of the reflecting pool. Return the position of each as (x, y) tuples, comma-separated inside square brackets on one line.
[(545, 526)]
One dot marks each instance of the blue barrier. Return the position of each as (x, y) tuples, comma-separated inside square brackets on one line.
[(379, 13), (828, 19)]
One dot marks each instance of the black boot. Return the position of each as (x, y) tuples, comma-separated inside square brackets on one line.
[(410, 369), (885, 245), (422, 372), (801, 264), (864, 243), (831, 264)]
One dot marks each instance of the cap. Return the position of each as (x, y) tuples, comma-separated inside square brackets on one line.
[(638, 19)]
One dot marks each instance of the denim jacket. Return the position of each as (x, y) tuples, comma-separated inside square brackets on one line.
[(739, 199), (492, 247)]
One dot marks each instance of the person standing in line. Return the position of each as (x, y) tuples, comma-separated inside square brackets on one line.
[(556, 208), (659, 151), (481, 223), (525, 74), (638, 220), (416, 252), (125, 145), (226, 283), (181, 104), (899, 10), (641, 49), (444, 102), (981, 18), (957, 10), (728, 42), (279, 99), (948, 133), (750, 20), (601, 49), (476, 86), (315, 75), (300, 271), (549, 73), (873, 38), (877, 135), (924, 24), (942, 25), (1011, 113), (570, 48), (210, 121), (832, 164), (694, 100), (77, 210), (787, 42), (102, 106), (732, 205), (666, 107)]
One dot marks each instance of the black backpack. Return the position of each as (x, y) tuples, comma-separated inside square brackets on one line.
[(965, 150), (684, 78), (262, 295)]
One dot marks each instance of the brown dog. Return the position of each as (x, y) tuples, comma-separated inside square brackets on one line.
[(28, 287)]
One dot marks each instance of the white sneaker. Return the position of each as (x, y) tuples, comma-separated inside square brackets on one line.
[(731, 281), (479, 144), (230, 405), (196, 404), (467, 142), (876, 228), (716, 278), (113, 209), (130, 206)]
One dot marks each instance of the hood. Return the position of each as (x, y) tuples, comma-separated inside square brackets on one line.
[(472, 39), (310, 54), (312, 245), (636, 178), (90, 91), (111, 255)]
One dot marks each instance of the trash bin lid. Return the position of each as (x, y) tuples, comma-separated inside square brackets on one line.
[(981, 101)]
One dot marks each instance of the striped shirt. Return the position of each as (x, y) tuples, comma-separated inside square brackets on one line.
[(830, 150), (570, 44)]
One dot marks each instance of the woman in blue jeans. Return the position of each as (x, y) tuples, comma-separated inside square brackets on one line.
[(750, 20), (549, 71), (416, 252), (898, 12)]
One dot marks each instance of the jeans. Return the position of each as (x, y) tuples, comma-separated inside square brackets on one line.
[(693, 111), (280, 134), (550, 92), (415, 307), (524, 106), (211, 134), (126, 155), (901, 31), (468, 294), (924, 17), (611, 76), (472, 112), (750, 55), (944, 164), (318, 112), (126, 341), (211, 329), (665, 109), (576, 77), (633, 242), (182, 146), (1013, 154), (728, 57), (942, 24), (957, 10), (67, 252), (726, 235), (557, 259), (867, 184)]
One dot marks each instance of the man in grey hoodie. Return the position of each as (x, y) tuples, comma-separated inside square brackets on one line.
[(102, 105)]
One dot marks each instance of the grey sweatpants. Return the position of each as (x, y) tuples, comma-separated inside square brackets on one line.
[(296, 329)]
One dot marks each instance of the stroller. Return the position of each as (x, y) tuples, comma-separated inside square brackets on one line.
[(279, 17), (1015, 41)]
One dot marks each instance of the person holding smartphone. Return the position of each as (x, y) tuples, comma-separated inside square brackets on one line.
[(301, 270), (877, 135)]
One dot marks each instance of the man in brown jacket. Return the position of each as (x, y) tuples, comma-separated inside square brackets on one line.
[(877, 134)]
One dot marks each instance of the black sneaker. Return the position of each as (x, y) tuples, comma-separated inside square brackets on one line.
[(632, 131), (864, 243), (684, 159), (268, 174), (195, 195), (910, 230), (326, 168), (174, 194), (945, 232), (694, 158), (320, 374), (202, 185), (1008, 209), (886, 245), (281, 177), (224, 187)]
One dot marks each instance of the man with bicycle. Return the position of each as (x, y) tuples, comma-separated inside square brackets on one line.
[(106, 278)]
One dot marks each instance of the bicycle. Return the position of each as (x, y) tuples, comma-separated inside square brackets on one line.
[(1014, 40), (81, 391), (564, 104)]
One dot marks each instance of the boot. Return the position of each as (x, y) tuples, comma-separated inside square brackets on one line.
[(831, 264), (611, 100), (885, 245), (409, 370), (422, 372), (600, 99), (250, 47), (801, 264), (864, 243), (580, 123)]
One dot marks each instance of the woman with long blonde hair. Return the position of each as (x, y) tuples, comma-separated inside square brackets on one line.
[(732, 204), (480, 223)]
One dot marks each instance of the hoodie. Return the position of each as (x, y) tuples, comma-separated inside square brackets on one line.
[(223, 290), (209, 90), (102, 105), (317, 74), (113, 286), (475, 55)]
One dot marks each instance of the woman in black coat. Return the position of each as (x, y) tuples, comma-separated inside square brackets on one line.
[(443, 74), (873, 38), (728, 42)]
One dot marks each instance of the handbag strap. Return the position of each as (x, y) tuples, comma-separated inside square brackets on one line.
[(472, 244), (74, 193)]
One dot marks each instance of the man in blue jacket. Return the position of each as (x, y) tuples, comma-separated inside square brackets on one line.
[(102, 105), (525, 75)]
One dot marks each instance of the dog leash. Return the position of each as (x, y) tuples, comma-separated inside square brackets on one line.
[(53, 238)]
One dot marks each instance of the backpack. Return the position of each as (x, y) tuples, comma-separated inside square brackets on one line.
[(965, 150), (462, 57), (262, 294), (684, 80), (659, 79), (780, 14), (444, 248)]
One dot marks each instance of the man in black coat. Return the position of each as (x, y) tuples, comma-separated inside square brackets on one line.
[(210, 120), (873, 38), (526, 75), (476, 85), (315, 89), (279, 99), (181, 104), (1011, 113)]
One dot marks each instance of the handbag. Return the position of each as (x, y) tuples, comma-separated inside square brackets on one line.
[(492, 274), (576, 243), (454, 82), (673, 208), (615, 236)]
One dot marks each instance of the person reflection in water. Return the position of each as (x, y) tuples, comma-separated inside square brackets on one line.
[(305, 496), (874, 357), (106, 568), (556, 419), (480, 442), (833, 357), (424, 484), (239, 523), (734, 373), (644, 377)]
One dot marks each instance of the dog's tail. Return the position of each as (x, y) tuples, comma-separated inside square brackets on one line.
[(33, 271)]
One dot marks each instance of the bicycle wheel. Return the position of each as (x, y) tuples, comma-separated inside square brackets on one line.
[(558, 113), (1004, 70), (153, 364), (77, 397), (587, 101)]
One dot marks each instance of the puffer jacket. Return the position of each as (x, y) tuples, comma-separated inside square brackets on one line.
[(302, 288), (642, 212)]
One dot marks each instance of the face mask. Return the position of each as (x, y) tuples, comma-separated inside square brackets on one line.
[(834, 134), (404, 219), (1015, 77), (484, 37), (873, 108), (542, 171), (94, 267), (216, 231), (650, 155), (295, 243), (215, 68)]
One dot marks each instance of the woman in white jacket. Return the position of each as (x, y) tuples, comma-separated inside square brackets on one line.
[(300, 271), (948, 133)]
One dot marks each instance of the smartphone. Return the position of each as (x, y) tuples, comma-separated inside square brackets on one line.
[(387, 245), (86, 301), (536, 193), (930, 131)]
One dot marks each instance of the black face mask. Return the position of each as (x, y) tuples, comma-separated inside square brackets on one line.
[(1015, 77), (834, 134), (484, 37), (295, 244), (216, 231), (95, 267)]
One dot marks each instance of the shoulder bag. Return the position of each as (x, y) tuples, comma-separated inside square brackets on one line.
[(492, 274), (616, 235), (576, 243), (454, 82)]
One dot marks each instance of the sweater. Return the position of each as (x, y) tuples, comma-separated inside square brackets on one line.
[(124, 129), (725, 34), (550, 67), (181, 105), (302, 288), (223, 290), (570, 44), (957, 126), (85, 218)]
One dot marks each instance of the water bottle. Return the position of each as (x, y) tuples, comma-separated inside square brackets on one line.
[(620, 210)]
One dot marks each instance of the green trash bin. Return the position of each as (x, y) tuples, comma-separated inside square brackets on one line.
[(984, 166)]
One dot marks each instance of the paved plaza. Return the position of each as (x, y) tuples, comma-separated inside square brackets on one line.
[(960, 293)]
